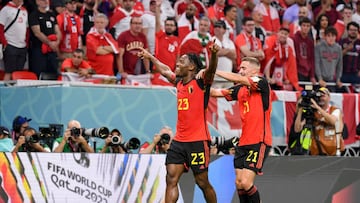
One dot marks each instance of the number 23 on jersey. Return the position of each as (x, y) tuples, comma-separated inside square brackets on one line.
[(183, 104)]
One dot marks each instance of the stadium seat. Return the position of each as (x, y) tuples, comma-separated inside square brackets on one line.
[(2, 73), (48, 76), (25, 75)]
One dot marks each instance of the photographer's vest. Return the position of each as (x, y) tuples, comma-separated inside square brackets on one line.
[(324, 136)]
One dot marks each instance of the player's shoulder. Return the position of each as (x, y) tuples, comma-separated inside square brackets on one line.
[(257, 78)]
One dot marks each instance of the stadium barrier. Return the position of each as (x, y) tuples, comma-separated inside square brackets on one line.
[(105, 178)]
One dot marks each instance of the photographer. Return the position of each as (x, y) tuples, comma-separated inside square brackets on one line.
[(113, 143), (161, 142), (19, 124), (6, 144), (29, 142), (327, 125), (72, 141)]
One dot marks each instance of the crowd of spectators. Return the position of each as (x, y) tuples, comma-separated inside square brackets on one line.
[(296, 40)]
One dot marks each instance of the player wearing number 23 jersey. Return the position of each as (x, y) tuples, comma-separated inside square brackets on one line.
[(192, 102)]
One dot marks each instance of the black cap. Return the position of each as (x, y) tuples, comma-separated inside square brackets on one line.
[(4, 131), (220, 23)]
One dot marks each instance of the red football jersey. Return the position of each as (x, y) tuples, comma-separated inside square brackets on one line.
[(192, 101), (255, 108)]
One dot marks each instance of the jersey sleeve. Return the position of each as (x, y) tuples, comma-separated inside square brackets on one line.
[(60, 21), (261, 84), (84, 64), (231, 94), (33, 19), (91, 46), (3, 18), (66, 64), (121, 40)]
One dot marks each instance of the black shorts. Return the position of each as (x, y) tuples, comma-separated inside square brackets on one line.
[(194, 155), (251, 157), (14, 58)]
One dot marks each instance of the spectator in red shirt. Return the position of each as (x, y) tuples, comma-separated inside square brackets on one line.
[(181, 6), (129, 43), (188, 22), (71, 30), (166, 45), (216, 12), (271, 19), (120, 20), (101, 47), (77, 64), (328, 9), (247, 43), (280, 61), (304, 50)]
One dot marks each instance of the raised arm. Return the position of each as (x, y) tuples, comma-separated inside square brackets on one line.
[(210, 72), (157, 16), (162, 68), (233, 77)]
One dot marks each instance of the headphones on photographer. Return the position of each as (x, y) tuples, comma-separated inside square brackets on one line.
[(16, 124)]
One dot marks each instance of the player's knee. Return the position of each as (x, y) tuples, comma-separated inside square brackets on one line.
[(243, 183), (202, 182), (238, 183), (171, 180)]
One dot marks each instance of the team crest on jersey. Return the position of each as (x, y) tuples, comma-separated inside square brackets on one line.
[(52, 19), (190, 89)]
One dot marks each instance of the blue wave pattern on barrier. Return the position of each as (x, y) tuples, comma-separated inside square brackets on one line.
[(221, 177), (139, 113)]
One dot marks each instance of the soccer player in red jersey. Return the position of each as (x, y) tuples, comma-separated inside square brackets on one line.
[(253, 94), (190, 147)]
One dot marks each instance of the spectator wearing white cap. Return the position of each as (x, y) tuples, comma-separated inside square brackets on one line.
[(6, 144)]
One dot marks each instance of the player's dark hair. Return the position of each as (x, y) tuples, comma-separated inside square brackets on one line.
[(195, 59)]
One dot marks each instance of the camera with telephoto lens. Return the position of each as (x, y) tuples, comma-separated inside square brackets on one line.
[(306, 96), (115, 140), (133, 143), (75, 132), (101, 132), (222, 143), (165, 139)]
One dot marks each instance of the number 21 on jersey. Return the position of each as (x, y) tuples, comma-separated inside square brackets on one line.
[(252, 157)]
